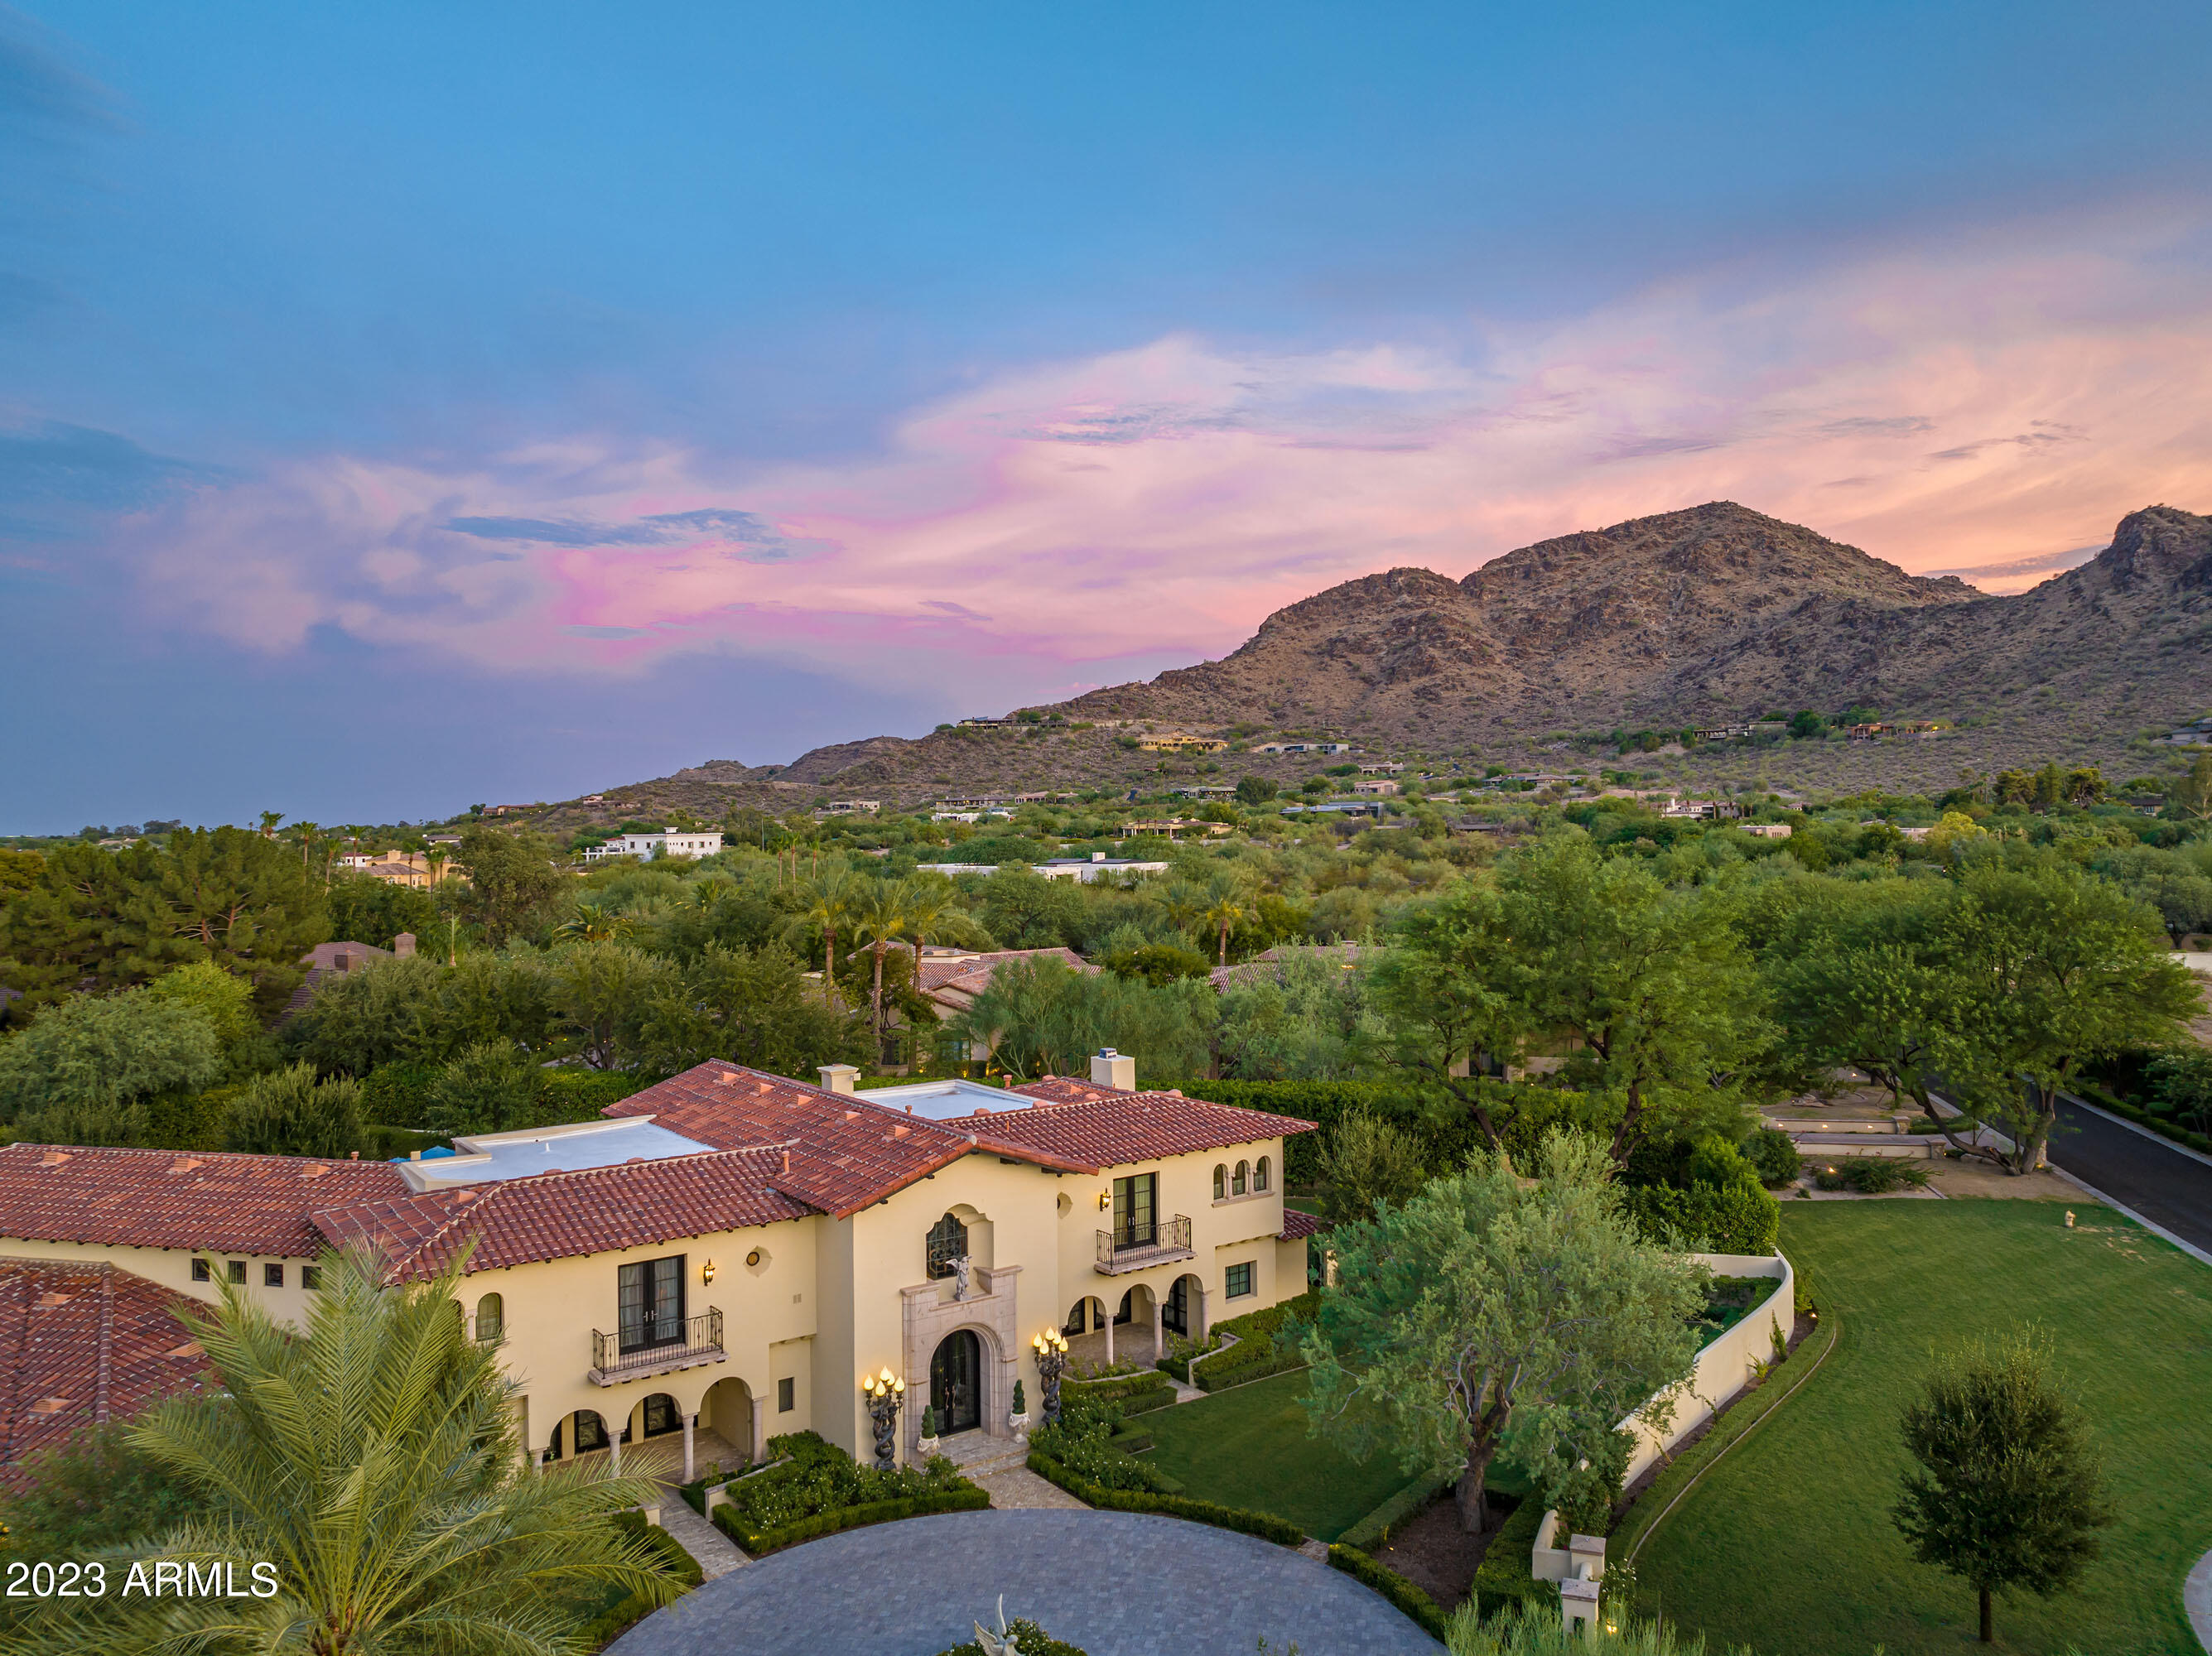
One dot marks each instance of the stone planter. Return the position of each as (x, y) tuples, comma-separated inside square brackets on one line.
[(926, 1448), (1020, 1423)]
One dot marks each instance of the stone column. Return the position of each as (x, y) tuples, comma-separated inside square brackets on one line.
[(1110, 1335), (760, 1431), (1158, 1309), (1203, 1323), (614, 1449), (690, 1421)]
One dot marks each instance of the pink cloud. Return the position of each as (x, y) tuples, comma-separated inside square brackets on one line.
[(1984, 405)]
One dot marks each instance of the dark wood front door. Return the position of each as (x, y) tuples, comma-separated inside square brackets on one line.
[(955, 1383)]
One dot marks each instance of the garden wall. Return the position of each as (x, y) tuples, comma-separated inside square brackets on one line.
[(1724, 1368)]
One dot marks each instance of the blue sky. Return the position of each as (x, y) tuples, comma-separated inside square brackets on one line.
[(405, 406)]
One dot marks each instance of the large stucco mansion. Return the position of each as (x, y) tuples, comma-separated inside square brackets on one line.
[(727, 1255)]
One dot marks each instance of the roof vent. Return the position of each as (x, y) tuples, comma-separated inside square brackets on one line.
[(186, 1164), (315, 1172), (787, 1164), (53, 1158), (838, 1077), (48, 1301), (189, 1348)]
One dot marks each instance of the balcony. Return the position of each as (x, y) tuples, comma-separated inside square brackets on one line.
[(1122, 1250), (634, 1354)]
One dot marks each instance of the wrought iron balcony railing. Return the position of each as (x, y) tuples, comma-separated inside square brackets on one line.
[(656, 1349), (1134, 1248)]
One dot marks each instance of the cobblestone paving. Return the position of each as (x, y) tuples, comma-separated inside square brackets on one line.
[(1017, 1487), (1117, 1584), (717, 1554)]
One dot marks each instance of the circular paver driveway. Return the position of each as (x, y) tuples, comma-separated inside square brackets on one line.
[(1117, 1584)]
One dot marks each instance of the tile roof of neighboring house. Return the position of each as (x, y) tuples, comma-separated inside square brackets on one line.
[(323, 960), (952, 983), (846, 1152), (196, 1200), (1297, 1224), (1105, 1127), (1266, 966), (81, 1344), (560, 1215)]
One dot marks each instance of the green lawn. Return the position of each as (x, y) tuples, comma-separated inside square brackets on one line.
[(1247, 1447), (1787, 1546)]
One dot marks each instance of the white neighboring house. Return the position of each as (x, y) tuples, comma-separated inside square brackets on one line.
[(666, 843)]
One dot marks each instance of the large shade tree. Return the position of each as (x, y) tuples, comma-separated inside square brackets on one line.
[(1491, 1309)]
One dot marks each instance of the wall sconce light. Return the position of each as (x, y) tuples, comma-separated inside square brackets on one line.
[(1104, 1197), (706, 1271)]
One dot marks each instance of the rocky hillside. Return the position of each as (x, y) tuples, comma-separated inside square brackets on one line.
[(1706, 615)]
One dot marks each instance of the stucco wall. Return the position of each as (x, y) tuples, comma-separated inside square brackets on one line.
[(1723, 1368), (172, 1268)]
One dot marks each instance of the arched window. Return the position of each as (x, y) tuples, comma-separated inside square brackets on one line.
[(1243, 1177), (1259, 1174), (1220, 1182), (948, 1241), (491, 1319)]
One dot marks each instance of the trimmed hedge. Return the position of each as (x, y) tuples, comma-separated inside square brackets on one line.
[(1416, 1605), (756, 1543), (2163, 1126), (1378, 1524), (1115, 1389), (1265, 1526), (1502, 1576), (1143, 1403), (626, 1613), (1220, 1375)]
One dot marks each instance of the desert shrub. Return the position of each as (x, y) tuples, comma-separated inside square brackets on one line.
[(1773, 1155), (1872, 1175)]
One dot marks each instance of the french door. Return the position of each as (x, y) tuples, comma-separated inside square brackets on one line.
[(1136, 1210), (651, 1303)]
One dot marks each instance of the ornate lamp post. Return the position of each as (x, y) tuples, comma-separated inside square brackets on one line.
[(1051, 1348), (884, 1396)]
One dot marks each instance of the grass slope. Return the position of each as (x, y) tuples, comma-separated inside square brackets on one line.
[(1787, 1544), (1247, 1447)]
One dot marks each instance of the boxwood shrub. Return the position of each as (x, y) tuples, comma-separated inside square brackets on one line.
[(1265, 1526), (1417, 1605), (1409, 1501), (822, 1490), (756, 1543), (1502, 1577)]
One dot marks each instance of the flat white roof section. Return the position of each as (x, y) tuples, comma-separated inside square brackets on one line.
[(487, 1158), (941, 1100)]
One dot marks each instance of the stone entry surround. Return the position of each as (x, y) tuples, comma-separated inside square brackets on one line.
[(928, 1312), (1117, 1584)]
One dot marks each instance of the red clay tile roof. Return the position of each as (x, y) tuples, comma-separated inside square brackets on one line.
[(1297, 1224), (202, 1200), (846, 1152), (560, 1215), (935, 971), (79, 1344), (1105, 1127)]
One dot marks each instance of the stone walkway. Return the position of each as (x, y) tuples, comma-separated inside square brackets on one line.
[(1117, 1584), (717, 1554)]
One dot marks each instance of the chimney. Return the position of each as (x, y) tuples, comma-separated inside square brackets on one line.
[(838, 1077), (1110, 1069), (342, 960), (404, 944)]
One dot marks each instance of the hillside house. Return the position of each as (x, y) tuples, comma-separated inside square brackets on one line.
[(665, 842), (1375, 786), (1180, 742), (1330, 748), (724, 1256), (412, 869)]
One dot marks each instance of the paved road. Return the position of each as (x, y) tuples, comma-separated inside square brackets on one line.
[(1117, 1584), (2156, 1180)]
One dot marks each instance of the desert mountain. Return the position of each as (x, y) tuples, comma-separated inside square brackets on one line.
[(1706, 615)]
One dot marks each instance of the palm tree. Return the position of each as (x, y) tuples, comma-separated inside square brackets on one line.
[(1225, 905), (374, 1463), (825, 903), (881, 915), (595, 920)]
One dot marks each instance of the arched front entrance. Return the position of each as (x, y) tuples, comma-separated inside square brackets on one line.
[(956, 1382)]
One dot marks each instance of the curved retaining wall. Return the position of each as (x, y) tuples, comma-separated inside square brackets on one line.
[(1722, 1369)]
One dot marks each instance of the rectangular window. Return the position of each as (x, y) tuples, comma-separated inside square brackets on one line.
[(238, 1272), (786, 1396), (200, 1271), (272, 1276), (651, 1303), (661, 1416), (311, 1276), (1240, 1281), (1136, 1210)]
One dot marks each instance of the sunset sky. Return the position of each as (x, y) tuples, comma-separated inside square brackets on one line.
[(405, 406)]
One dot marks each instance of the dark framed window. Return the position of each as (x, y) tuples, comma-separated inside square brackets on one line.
[(1079, 1320), (272, 1276), (491, 1319), (1242, 1181), (1174, 1310), (590, 1431), (1136, 1210), (237, 1272), (662, 1416), (201, 1273), (948, 1241), (651, 1303), (1239, 1281), (311, 1276), (1259, 1174), (1220, 1182), (786, 1396)]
